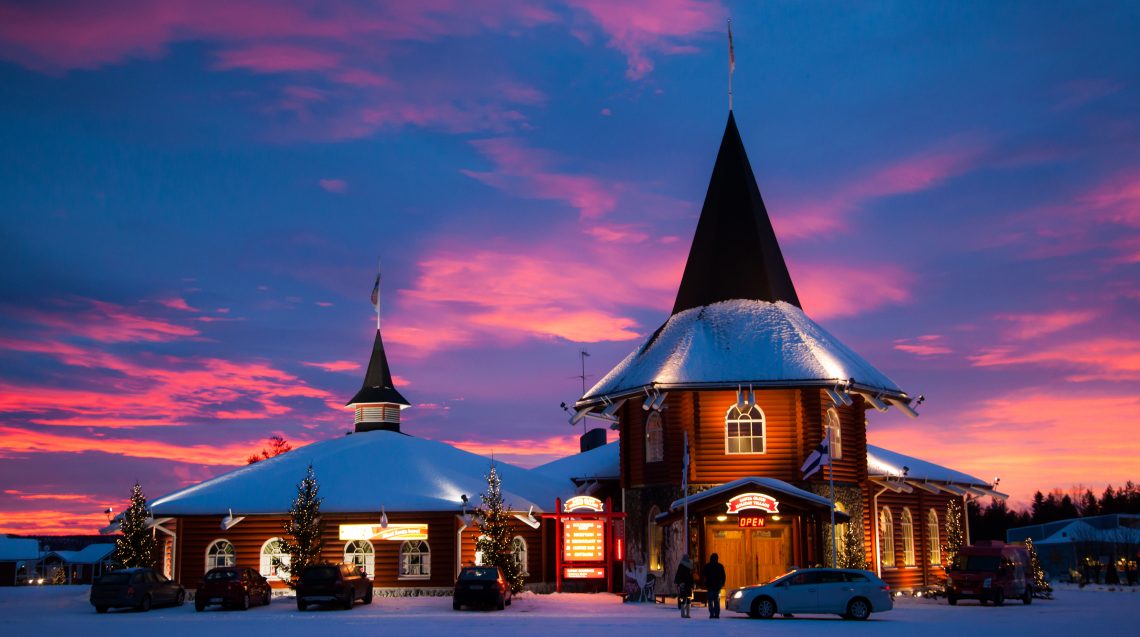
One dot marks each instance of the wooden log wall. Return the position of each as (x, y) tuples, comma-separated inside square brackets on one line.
[(920, 503)]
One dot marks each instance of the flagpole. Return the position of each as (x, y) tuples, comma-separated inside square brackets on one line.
[(831, 482), (378, 294), (731, 64), (685, 489)]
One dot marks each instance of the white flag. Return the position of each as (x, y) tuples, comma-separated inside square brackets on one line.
[(818, 458)]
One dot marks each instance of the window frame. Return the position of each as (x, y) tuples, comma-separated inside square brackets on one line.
[(265, 568), (835, 426), (742, 418), (211, 555), (906, 521), (887, 538), (933, 538), (654, 437), (521, 557), (369, 556), (424, 556), (654, 542)]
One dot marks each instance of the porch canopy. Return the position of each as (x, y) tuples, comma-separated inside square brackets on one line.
[(790, 500)]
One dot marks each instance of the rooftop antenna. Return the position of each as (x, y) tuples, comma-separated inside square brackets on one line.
[(731, 64), (583, 354), (376, 294)]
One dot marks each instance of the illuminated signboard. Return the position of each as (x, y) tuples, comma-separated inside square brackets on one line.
[(751, 521), (392, 532), (573, 572), (747, 501), (583, 503), (584, 541)]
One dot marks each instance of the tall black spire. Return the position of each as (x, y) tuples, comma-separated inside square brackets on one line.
[(378, 404), (734, 254)]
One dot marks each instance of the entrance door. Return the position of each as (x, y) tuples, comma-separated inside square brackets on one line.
[(749, 556), (770, 552), (730, 547)]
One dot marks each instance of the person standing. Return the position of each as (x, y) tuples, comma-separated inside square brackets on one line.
[(714, 577), (684, 581)]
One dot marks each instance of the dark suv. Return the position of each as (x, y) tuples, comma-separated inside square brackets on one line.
[(333, 583), (481, 586), (138, 588), (233, 587)]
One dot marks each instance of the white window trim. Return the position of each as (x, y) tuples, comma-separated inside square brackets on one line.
[(478, 553), (426, 553), (907, 523), (933, 538), (265, 563), (752, 409), (836, 426), (525, 554), (886, 538), (369, 556), (654, 445), (210, 563)]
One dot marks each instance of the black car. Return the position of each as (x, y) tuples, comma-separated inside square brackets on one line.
[(333, 583), (481, 586), (232, 587), (139, 588)]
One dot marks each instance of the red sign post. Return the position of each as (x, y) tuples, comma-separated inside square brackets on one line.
[(586, 537)]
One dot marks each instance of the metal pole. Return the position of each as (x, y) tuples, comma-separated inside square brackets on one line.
[(831, 481), (685, 490)]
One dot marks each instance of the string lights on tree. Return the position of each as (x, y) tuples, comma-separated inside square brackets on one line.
[(495, 542), (302, 541), (137, 546), (955, 537), (1041, 586)]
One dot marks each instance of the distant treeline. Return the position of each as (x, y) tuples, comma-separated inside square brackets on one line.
[(991, 521)]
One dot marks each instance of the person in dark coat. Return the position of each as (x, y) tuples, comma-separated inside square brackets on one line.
[(684, 581), (714, 577)]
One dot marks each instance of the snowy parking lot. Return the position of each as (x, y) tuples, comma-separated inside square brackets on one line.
[(62, 610)]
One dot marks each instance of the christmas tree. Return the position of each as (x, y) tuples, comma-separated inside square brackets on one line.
[(851, 553), (303, 529), (1041, 586), (954, 535), (494, 542), (137, 546)]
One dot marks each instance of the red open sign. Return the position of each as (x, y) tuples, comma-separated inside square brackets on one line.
[(752, 521)]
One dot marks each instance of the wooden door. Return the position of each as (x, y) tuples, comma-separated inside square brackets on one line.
[(770, 554), (730, 548)]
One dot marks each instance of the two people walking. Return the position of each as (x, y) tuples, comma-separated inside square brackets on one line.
[(714, 577)]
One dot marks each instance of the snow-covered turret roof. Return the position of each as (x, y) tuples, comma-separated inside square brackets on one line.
[(740, 342), (364, 472)]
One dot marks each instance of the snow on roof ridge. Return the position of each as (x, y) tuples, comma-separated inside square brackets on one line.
[(886, 463)]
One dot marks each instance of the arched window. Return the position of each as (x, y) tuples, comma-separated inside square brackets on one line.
[(273, 556), (519, 554), (886, 538), (220, 553), (654, 438), (361, 553), (415, 560), (654, 538), (908, 538), (744, 430), (831, 421), (932, 538), (841, 534), (478, 553)]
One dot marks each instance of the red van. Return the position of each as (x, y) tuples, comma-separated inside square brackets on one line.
[(990, 571)]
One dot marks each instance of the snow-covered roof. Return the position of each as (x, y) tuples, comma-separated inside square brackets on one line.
[(18, 548), (770, 484), (90, 554), (600, 463), (364, 472), (1081, 531), (884, 463), (740, 342)]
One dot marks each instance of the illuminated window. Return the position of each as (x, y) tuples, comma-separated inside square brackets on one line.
[(831, 421), (908, 538), (220, 553), (361, 553), (415, 560), (841, 532), (654, 438), (935, 549), (519, 554), (886, 538), (655, 536), (744, 430), (273, 557), (479, 553)]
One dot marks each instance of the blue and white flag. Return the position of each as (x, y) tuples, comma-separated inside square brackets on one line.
[(818, 458)]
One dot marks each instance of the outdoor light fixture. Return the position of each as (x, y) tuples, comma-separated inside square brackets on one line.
[(648, 400), (740, 404), (612, 408), (110, 513), (579, 415), (721, 518), (383, 518), (230, 521), (658, 401), (875, 401), (775, 518)]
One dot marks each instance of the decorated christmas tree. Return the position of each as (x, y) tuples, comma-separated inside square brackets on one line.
[(955, 536), (851, 553), (303, 529), (494, 542), (1041, 586), (137, 546)]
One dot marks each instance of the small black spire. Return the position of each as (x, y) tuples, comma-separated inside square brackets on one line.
[(734, 254), (378, 386)]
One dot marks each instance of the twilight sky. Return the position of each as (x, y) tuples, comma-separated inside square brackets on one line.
[(194, 195)]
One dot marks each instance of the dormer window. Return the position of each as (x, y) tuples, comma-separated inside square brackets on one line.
[(744, 430)]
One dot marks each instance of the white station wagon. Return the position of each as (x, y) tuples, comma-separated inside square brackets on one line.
[(850, 593)]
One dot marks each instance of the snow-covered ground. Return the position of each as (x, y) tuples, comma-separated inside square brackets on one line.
[(60, 611)]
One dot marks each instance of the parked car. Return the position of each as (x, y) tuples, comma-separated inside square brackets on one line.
[(139, 588), (850, 593), (481, 586), (990, 571), (232, 587), (333, 583)]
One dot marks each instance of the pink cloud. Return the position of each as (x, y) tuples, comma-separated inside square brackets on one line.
[(637, 29), (178, 303), (860, 288), (524, 172), (1108, 358), (1116, 199), (108, 322), (1029, 326), (275, 58), (335, 366), (334, 185), (926, 346), (623, 233), (526, 453)]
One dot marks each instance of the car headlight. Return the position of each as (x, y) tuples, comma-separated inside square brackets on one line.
[(738, 595), (987, 583)]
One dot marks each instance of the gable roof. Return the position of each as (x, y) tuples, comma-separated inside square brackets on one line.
[(378, 386), (364, 472), (90, 554), (734, 254), (600, 463), (740, 342), (18, 548)]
